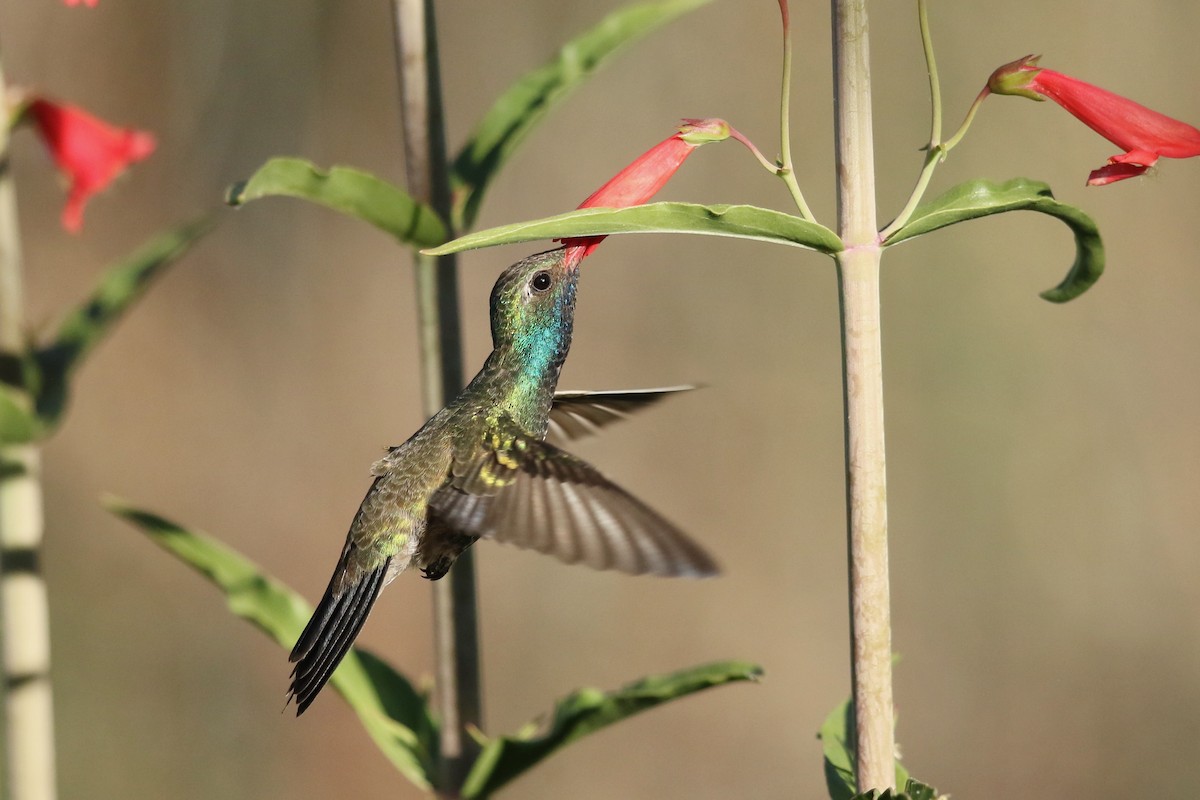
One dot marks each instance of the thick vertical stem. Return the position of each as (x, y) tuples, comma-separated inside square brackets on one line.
[(866, 484), (28, 706), (456, 636)]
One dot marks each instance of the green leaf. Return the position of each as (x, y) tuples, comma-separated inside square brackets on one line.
[(919, 791), (839, 752), (586, 711), (740, 222), (527, 101), (982, 198), (350, 191), (395, 715), (19, 423), (913, 790), (837, 743), (121, 286)]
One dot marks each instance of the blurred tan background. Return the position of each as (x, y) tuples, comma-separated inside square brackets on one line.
[(1043, 459)]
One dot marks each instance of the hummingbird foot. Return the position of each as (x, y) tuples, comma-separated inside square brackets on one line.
[(437, 569), (444, 546)]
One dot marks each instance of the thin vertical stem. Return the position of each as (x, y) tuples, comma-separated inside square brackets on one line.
[(456, 636), (866, 486), (787, 169), (28, 702), (12, 293), (935, 86), (935, 151)]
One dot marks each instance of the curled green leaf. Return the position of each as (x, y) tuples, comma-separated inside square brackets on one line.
[(526, 102), (982, 198), (395, 715), (736, 221), (350, 191), (586, 711)]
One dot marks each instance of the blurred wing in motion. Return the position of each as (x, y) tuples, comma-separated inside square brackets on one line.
[(575, 415), (531, 494)]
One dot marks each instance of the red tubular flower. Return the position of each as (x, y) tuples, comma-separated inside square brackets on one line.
[(88, 150), (642, 179), (88, 3), (1142, 133)]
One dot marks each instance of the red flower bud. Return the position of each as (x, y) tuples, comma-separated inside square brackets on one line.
[(1014, 77), (642, 179), (89, 151), (1144, 134)]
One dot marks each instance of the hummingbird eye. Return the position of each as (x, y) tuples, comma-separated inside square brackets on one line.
[(541, 282)]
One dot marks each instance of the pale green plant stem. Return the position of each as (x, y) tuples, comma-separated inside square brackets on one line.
[(786, 169), (932, 157), (935, 87), (458, 699), (28, 701), (950, 143), (736, 135), (866, 484), (936, 151), (935, 155)]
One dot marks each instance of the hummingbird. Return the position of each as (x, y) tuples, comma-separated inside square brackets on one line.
[(481, 469)]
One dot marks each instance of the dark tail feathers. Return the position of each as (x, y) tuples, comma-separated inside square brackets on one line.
[(329, 634)]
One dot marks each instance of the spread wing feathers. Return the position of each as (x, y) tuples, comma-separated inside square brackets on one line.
[(334, 625), (575, 415), (533, 495)]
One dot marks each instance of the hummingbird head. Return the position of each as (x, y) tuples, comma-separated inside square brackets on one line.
[(533, 309)]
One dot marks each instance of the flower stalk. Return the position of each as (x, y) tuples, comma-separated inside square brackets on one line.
[(935, 85), (458, 698), (936, 150), (785, 169), (866, 487)]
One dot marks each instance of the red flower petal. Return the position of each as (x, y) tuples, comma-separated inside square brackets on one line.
[(1143, 133), (1116, 171), (1128, 125), (88, 150), (88, 3), (642, 179)]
